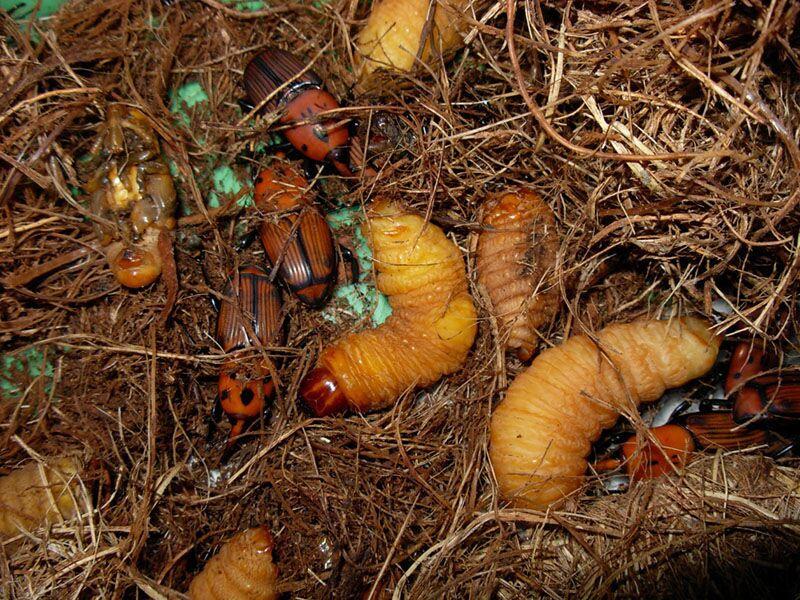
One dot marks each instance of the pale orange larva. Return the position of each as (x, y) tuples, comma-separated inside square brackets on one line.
[(516, 253), (391, 36), (39, 495), (429, 333), (243, 569), (543, 431)]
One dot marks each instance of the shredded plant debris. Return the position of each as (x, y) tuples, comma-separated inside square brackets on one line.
[(663, 135)]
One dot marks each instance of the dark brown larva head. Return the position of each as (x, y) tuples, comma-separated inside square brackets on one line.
[(322, 394), (259, 301), (273, 68)]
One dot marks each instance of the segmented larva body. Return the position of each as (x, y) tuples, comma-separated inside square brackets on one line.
[(391, 37), (429, 333), (242, 570), (39, 494), (516, 253), (543, 431)]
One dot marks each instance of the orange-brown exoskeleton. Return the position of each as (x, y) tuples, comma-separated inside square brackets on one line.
[(670, 446), (284, 82), (295, 234), (516, 255), (542, 432), (242, 570), (133, 196), (39, 495), (429, 333), (747, 361), (771, 396), (252, 307)]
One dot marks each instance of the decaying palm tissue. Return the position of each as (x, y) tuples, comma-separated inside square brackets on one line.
[(399, 299)]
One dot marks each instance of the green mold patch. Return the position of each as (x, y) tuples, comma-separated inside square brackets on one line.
[(18, 367), (227, 183), (246, 5), (360, 298), (23, 10), (189, 95)]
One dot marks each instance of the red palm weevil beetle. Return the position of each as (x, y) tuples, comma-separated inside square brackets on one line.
[(296, 236), (252, 307), (282, 80)]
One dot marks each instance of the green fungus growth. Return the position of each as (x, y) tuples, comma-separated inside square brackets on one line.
[(187, 96), (227, 183), (23, 10), (361, 298), (247, 5), (21, 366)]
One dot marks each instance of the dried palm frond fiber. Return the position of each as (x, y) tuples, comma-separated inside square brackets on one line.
[(662, 135)]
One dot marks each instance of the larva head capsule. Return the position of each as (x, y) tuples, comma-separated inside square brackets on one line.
[(322, 393), (281, 79), (134, 266)]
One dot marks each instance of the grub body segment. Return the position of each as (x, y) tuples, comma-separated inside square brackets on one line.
[(243, 569), (542, 432), (429, 333), (516, 256), (39, 494), (392, 34)]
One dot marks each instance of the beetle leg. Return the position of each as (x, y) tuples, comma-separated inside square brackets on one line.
[(236, 430), (349, 270), (245, 241), (245, 105), (607, 464), (784, 449), (216, 410)]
